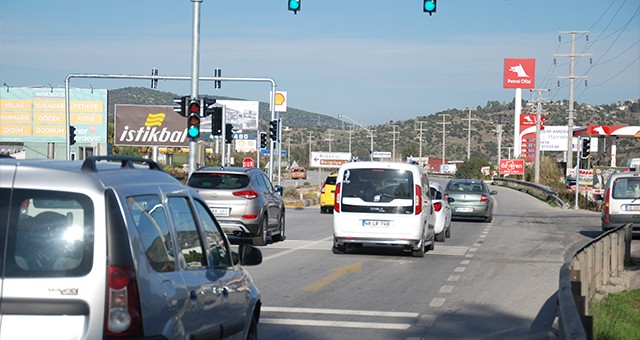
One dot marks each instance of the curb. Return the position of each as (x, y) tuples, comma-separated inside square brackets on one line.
[(301, 203)]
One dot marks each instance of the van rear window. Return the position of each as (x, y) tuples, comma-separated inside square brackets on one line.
[(50, 234), (626, 187), (377, 185)]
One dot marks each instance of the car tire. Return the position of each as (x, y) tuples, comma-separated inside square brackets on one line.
[(261, 239), (447, 232), (440, 237), (322, 210), (252, 334), (339, 249), (488, 218), (420, 252), (281, 229)]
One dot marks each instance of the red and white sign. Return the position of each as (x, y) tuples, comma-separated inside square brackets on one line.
[(247, 162), (519, 73), (613, 130), (512, 166)]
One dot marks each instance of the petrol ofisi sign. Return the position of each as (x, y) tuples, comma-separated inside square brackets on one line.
[(519, 73)]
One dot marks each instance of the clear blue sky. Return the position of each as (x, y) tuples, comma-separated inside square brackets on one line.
[(373, 61)]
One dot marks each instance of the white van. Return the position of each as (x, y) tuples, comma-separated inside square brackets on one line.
[(622, 201), (383, 203)]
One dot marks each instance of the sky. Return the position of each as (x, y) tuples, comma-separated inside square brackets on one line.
[(373, 61)]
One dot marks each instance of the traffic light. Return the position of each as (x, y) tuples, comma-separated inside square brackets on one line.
[(273, 130), (586, 147), (193, 121), (215, 111), (228, 133), (72, 134), (294, 5), (263, 140), (429, 6), (181, 107)]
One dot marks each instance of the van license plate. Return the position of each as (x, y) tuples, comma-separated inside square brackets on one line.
[(633, 207), (220, 211), (464, 209), (377, 223)]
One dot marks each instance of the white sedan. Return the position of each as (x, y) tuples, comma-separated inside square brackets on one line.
[(442, 211)]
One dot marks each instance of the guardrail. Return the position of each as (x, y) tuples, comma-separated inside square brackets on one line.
[(532, 189), (591, 267)]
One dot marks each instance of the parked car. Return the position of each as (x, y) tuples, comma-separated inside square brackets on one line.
[(383, 203), (299, 173), (442, 226), (245, 202), (327, 193), (114, 247), (622, 201), (470, 198)]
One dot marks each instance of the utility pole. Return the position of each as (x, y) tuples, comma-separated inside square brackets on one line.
[(571, 77), (469, 129), (538, 121), (499, 118), (393, 155), (444, 132), (420, 129), (195, 65), (330, 139)]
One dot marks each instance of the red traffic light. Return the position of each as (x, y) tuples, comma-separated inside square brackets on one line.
[(194, 107)]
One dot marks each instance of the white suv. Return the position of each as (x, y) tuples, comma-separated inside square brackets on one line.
[(115, 247), (622, 201), (383, 203)]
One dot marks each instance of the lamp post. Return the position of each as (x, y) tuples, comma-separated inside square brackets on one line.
[(369, 131)]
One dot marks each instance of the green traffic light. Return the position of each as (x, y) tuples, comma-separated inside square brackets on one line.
[(429, 6), (193, 132), (294, 5)]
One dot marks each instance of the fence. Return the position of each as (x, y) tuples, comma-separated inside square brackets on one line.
[(596, 264)]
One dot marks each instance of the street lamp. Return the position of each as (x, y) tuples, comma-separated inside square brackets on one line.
[(369, 131)]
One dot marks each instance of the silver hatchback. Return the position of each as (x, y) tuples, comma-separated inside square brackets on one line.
[(115, 247), (244, 201)]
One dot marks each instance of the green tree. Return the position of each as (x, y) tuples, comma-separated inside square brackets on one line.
[(471, 168)]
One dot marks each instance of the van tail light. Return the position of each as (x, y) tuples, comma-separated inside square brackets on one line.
[(606, 204), (323, 187), (418, 200), (437, 206), (248, 194), (336, 198), (123, 314), (484, 198)]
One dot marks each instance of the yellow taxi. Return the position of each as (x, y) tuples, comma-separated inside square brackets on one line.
[(327, 193), (299, 173)]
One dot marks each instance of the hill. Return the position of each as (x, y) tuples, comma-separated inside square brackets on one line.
[(308, 131)]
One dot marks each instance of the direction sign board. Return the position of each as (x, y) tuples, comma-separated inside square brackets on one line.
[(329, 159)]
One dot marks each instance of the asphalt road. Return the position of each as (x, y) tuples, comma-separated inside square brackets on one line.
[(489, 280)]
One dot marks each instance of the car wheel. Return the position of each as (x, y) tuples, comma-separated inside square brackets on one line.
[(322, 210), (447, 232), (339, 249), (488, 218), (252, 334), (261, 239), (440, 237), (432, 245), (420, 252), (280, 236)]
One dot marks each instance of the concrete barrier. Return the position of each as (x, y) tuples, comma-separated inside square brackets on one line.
[(595, 265)]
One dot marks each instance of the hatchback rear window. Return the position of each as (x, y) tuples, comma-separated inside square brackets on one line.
[(50, 234), (218, 180), (626, 187), (331, 180)]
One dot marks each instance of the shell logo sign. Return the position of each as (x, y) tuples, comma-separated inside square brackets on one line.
[(281, 101), (512, 166)]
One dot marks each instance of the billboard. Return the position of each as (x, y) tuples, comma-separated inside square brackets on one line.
[(519, 73), (512, 166), (38, 115), (148, 125)]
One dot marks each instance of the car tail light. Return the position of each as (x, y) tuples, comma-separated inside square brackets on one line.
[(437, 206), (336, 198), (248, 194), (606, 205), (418, 200), (122, 317), (322, 190), (250, 217), (484, 198), (446, 196)]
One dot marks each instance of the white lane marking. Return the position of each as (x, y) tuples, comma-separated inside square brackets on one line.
[(339, 312), (465, 261), (446, 289), (341, 324), (459, 269), (299, 247), (437, 302), (327, 243), (453, 278)]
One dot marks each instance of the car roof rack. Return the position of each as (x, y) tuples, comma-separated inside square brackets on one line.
[(90, 164)]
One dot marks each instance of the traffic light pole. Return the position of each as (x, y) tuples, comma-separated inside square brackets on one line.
[(195, 65)]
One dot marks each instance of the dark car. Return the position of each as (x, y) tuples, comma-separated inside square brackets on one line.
[(470, 198), (244, 201)]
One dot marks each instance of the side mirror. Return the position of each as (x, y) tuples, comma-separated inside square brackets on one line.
[(279, 189), (247, 255)]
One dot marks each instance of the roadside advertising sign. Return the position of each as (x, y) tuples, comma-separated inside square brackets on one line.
[(519, 73), (147, 125), (512, 166)]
